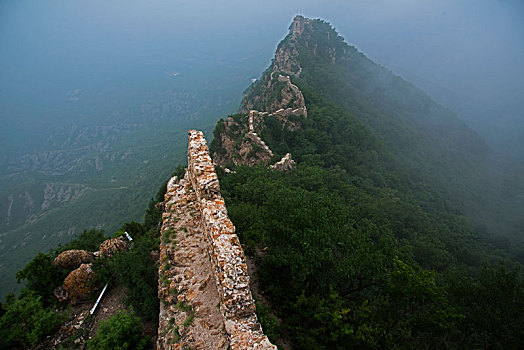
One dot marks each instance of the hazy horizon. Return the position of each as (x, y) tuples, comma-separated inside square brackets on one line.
[(466, 55)]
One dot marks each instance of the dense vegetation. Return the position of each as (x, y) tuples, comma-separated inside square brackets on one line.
[(436, 150), (35, 313), (26, 320), (351, 259), (369, 242)]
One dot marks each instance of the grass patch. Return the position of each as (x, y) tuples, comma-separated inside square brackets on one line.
[(189, 320), (165, 280)]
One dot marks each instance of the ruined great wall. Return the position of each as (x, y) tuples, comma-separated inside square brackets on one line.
[(203, 286), (206, 301)]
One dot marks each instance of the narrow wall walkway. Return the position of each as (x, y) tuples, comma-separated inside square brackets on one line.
[(189, 313), (206, 302)]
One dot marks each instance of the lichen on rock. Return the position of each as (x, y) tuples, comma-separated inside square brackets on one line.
[(110, 247), (78, 283), (71, 259)]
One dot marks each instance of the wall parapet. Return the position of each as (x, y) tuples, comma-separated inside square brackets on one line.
[(227, 256)]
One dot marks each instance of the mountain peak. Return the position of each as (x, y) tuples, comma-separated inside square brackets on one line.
[(297, 27)]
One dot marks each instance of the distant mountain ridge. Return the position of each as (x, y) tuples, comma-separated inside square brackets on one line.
[(439, 149)]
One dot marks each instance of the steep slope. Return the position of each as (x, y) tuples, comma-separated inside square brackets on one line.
[(71, 168), (367, 243), (432, 150)]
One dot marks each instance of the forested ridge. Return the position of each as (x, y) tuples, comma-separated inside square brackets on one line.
[(373, 240)]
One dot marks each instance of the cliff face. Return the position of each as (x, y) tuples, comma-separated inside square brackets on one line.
[(202, 265)]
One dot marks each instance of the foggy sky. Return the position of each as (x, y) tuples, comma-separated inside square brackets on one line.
[(467, 54)]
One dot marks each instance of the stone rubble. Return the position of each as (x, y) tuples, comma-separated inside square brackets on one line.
[(109, 247), (77, 284)]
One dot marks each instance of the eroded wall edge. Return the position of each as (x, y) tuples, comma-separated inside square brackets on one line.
[(227, 256)]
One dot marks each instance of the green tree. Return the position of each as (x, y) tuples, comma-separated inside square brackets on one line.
[(493, 307), (42, 276), (122, 331), (87, 240), (412, 311), (26, 321)]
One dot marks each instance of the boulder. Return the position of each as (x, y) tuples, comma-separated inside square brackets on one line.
[(77, 283), (109, 247), (60, 294), (71, 259)]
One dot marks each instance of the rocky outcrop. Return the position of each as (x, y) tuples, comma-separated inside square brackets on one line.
[(109, 247), (286, 55), (240, 142), (71, 259), (60, 193), (274, 95), (60, 294), (276, 92), (285, 164), (195, 203), (77, 283)]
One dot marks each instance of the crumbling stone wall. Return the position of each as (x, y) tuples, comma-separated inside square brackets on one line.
[(195, 203), (227, 256), (240, 141)]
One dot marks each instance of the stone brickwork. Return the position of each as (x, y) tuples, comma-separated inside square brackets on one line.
[(189, 316), (240, 142), (285, 164), (187, 285), (297, 27), (227, 256)]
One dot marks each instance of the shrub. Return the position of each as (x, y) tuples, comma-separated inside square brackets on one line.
[(121, 331), (135, 270), (25, 321), (88, 240), (133, 228), (40, 273), (42, 276)]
